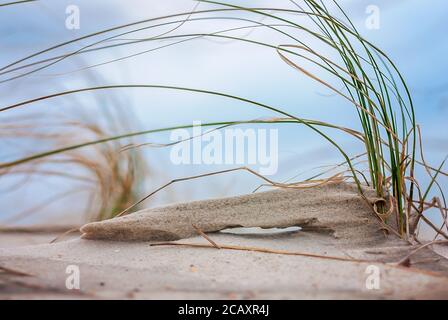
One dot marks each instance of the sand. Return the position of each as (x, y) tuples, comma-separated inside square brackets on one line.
[(339, 225), (334, 208)]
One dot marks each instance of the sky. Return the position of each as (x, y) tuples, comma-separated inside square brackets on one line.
[(411, 32)]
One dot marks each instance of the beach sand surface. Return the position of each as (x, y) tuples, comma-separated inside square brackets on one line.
[(140, 270)]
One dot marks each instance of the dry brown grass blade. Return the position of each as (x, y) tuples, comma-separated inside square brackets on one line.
[(300, 185), (431, 204), (206, 237), (332, 88), (107, 177), (36, 229), (435, 200), (15, 272), (302, 254), (59, 237), (443, 214), (126, 211), (406, 260), (256, 249), (169, 144), (433, 226)]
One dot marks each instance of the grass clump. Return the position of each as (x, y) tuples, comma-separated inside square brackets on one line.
[(370, 81)]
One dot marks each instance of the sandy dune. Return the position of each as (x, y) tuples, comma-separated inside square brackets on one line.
[(340, 225)]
